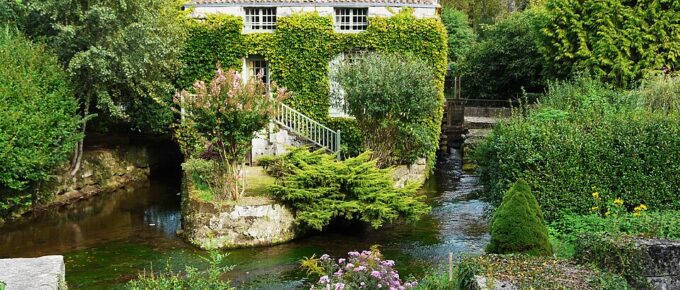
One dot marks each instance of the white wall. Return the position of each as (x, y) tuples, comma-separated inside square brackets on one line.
[(382, 11)]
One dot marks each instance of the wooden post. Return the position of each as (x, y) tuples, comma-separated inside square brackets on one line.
[(450, 267)]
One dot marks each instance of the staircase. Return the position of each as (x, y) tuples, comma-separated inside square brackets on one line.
[(307, 128)]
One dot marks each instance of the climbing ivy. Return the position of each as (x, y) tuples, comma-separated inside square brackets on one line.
[(300, 49)]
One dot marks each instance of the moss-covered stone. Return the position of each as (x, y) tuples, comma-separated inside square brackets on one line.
[(518, 225)]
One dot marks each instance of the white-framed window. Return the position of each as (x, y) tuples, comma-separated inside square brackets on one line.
[(255, 66), (338, 103), (351, 19), (260, 19)]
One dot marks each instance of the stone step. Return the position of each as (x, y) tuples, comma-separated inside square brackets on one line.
[(480, 122)]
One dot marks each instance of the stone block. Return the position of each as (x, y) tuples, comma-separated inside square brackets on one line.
[(43, 273)]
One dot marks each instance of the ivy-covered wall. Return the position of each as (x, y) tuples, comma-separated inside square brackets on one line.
[(300, 49)]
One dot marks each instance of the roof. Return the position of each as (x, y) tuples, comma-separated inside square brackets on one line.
[(396, 3)]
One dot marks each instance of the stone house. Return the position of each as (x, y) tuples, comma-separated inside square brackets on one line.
[(351, 21)]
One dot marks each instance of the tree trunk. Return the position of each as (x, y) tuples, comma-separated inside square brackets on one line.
[(78, 152)]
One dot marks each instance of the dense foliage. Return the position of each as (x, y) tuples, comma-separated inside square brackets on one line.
[(227, 112), (301, 48), (461, 35), (191, 279), (392, 98), (518, 225), (321, 189), (121, 56), (617, 41), (614, 253), (586, 137), (506, 59), (365, 270), (38, 118)]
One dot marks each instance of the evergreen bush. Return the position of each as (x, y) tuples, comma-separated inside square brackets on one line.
[(321, 189), (518, 226)]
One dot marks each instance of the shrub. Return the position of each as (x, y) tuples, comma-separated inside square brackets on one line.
[(505, 60), (365, 270), (38, 118), (191, 279), (616, 41), (393, 98), (320, 189), (585, 136), (618, 254), (518, 226), (227, 113), (661, 94)]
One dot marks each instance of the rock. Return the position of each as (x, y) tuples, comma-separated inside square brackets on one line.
[(46, 272), (483, 284), (224, 226)]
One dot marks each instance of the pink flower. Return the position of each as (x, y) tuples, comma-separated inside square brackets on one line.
[(339, 286), (323, 280), (353, 254), (349, 266), (341, 260), (375, 274), (360, 268)]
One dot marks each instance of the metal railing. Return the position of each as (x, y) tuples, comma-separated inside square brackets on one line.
[(307, 128)]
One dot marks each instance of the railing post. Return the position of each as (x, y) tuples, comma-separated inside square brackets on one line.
[(337, 144)]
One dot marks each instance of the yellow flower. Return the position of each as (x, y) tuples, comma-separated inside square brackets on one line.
[(596, 195), (593, 209), (643, 206), (636, 214), (618, 202), (606, 213)]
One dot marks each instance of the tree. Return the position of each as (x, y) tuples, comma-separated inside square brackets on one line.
[(617, 41), (122, 56), (38, 117), (518, 225), (506, 59), (227, 113), (461, 35), (393, 97)]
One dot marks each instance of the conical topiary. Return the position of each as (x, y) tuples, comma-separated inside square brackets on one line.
[(518, 225)]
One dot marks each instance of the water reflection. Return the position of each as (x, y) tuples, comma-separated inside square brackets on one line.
[(107, 240)]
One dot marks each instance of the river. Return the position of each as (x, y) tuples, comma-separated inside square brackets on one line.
[(108, 239)]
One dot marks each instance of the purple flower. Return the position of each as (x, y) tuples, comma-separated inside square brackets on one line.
[(324, 280), (353, 254), (325, 257), (375, 274), (338, 273), (339, 286), (408, 284), (388, 263), (349, 266), (341, 260), (360, 268)]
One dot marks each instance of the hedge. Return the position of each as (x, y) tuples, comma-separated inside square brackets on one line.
[(585, 137), (300, 49)]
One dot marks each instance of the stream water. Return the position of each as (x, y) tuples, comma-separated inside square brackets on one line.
[(108, 239)]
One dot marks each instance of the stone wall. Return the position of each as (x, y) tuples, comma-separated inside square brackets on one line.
[(414, 173), (253, 221), (662, 262), (102, 171)]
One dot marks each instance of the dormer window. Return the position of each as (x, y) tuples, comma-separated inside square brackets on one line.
[(351, 19), (260, 19)]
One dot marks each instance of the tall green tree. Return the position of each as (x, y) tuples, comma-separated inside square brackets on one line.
[(617, 41), (461, 34), (122, 56), (38, 118)]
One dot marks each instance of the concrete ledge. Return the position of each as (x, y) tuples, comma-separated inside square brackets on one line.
[(43, 273)]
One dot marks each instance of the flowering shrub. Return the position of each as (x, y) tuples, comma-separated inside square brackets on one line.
[(226, 113), (365, 270)]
